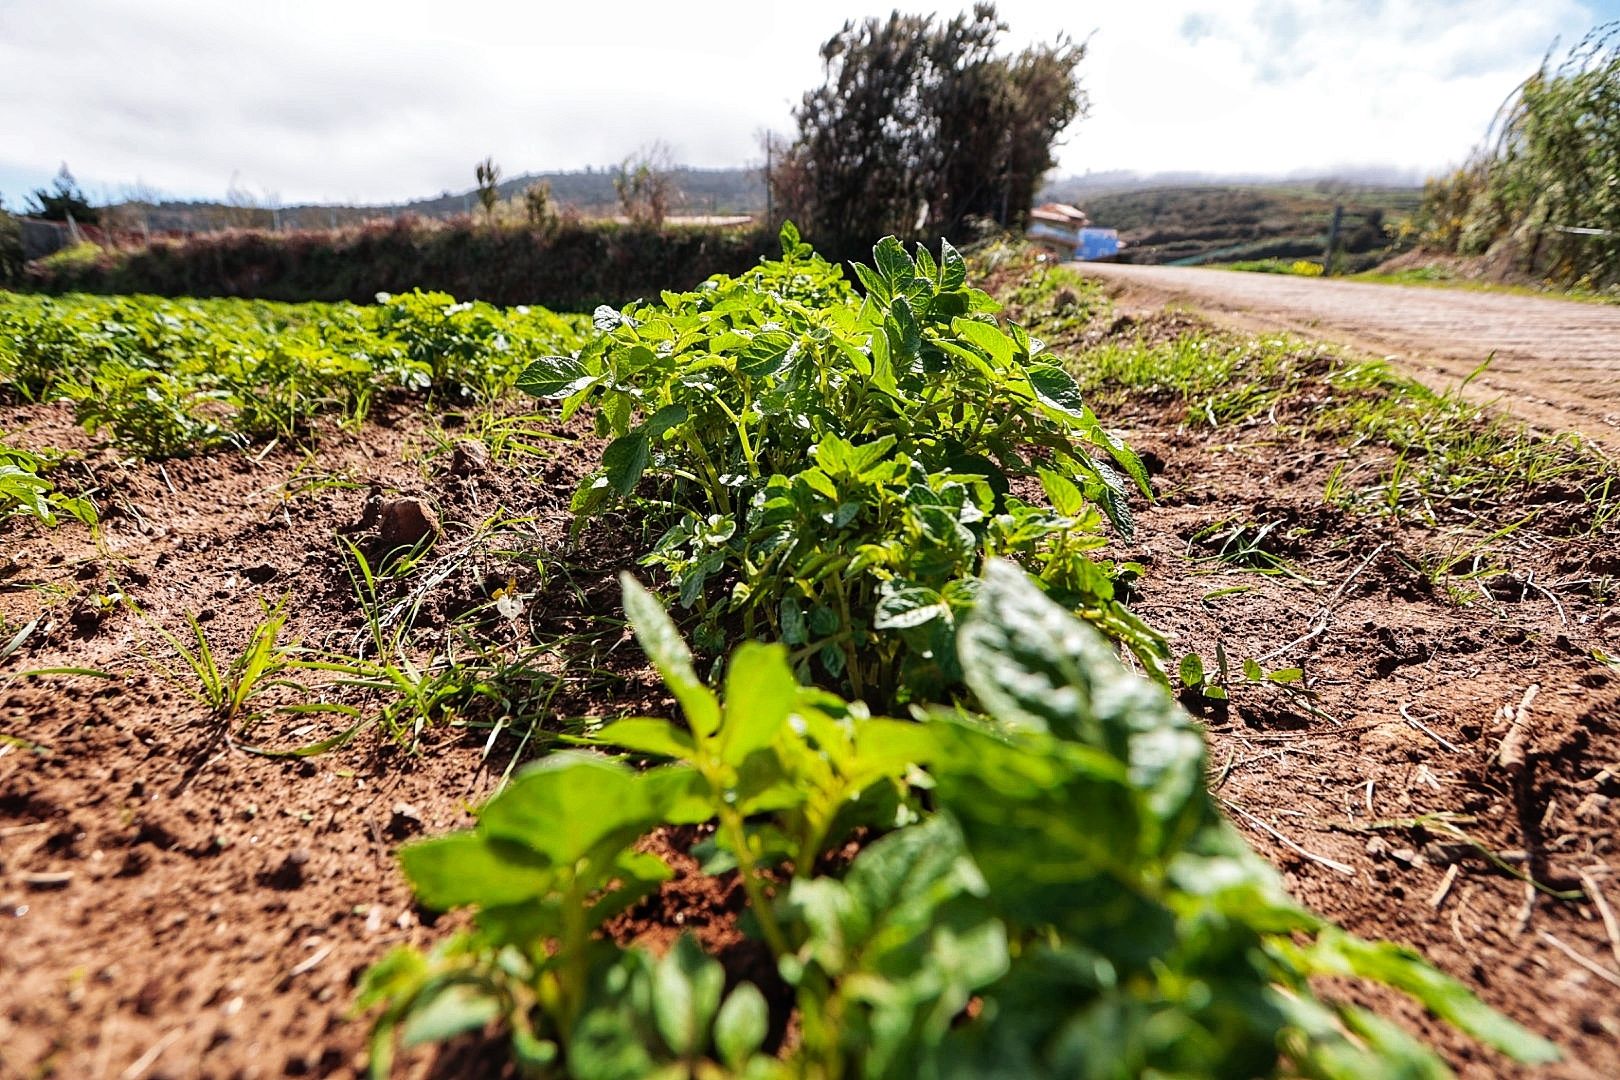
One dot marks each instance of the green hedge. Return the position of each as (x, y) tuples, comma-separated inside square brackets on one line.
[(573, 267)]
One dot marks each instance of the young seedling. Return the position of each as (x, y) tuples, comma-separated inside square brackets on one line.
[(227, 690)]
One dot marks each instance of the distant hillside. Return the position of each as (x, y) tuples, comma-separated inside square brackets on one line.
[(1165, 217), (1228, 222), (1115, 181), (702, 191), (589, 192)]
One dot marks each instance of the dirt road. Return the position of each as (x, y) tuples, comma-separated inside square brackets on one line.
[(1557, 362)]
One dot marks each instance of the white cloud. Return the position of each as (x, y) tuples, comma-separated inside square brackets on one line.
[(320, 100), (1258, 85)]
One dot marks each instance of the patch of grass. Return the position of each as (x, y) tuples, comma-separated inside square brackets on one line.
[(1292, 267), (1222, 379), (1476, 480), (1440, 277), (506, 436), (227, 690), (429, 656), (1420, 455), (1246, 545), (1453, 461)]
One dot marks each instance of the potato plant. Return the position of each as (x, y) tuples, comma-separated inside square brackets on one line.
[(24, 492), (173, 377), (831, 469), (1058, 863)]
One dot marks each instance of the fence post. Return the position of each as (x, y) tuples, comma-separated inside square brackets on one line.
[(1332, 238)]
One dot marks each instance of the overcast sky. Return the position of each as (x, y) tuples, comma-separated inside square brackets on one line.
[(344, 100)]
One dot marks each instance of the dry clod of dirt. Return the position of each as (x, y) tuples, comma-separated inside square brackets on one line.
[(470, 458), (404, 523), (404, 820)]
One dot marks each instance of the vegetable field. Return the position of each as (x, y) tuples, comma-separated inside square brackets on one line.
[(914, 668)]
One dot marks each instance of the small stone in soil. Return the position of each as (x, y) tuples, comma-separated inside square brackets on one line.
[(405, 523), (471, 457), (290, 874), (404, 821)]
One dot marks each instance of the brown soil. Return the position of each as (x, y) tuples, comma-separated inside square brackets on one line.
[(1557, 362), (174, 906), (1335, 773)]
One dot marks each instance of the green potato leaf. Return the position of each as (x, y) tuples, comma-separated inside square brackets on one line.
[(625, 459)]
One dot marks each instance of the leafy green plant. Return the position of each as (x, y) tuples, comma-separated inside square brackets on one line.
[(808, 777), (165, 378), (25, 493), (1065, 900), (833, 469)]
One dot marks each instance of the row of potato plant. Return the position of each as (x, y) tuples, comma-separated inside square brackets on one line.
[(1044, 885), (831, 469), (1053, 893), (171, 377)]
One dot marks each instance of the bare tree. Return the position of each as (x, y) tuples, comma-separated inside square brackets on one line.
[(243, 208), (645, 182)]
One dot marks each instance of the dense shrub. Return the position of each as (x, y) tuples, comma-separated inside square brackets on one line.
[(922, 126), (575, 266)]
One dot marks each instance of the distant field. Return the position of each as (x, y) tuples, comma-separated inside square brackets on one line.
[(1226, 223)]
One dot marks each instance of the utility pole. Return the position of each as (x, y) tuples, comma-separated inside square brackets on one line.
[(770, 200), (1333, 238)]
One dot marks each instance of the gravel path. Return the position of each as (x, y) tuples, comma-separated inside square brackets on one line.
[(1557, 362)]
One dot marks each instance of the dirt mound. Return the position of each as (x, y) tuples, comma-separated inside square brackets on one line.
[(1498, 267)]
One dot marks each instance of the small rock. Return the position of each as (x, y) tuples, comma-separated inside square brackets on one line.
[(404, 523), (290, 874), (404, 821), (1404, 855), (1376, 847), (470, 458), (259, 574)]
